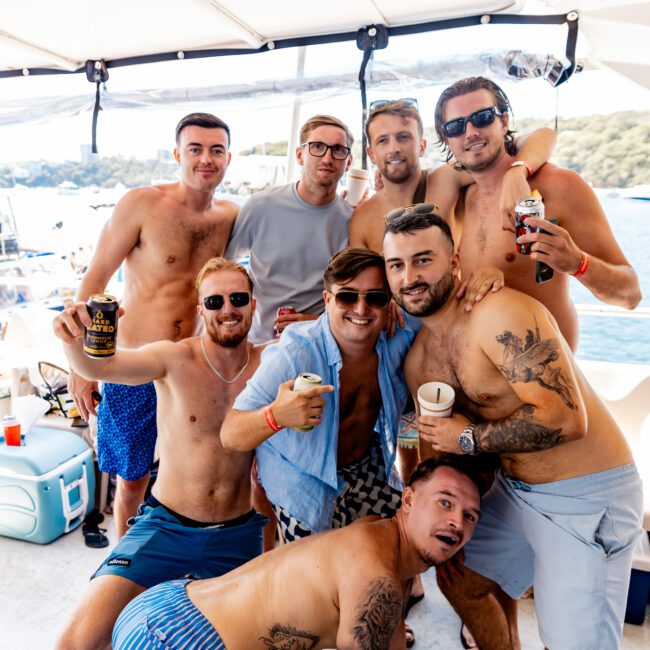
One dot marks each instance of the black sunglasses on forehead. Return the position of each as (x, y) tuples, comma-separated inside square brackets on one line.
[(237, 299), (380, 103), (417, 208), (375, 298), (479, 119)]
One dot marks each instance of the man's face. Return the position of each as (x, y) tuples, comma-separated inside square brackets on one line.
[(396, 147), (229, 325), (359, 323), (441, 514), (421, 269), (323, 172), (476, 149), (203, 156)]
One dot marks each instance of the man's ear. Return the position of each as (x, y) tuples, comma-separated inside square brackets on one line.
[(371, 155), (423, 146), (349, 162), (505, 120), (407, 498), (228, 158), (299, 155), (177, 155)]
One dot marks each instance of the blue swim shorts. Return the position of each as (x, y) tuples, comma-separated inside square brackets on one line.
[(573, 540), (162, 545), (164, 618), (126, 430)]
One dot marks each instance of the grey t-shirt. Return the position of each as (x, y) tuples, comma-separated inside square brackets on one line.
[(290, 243)]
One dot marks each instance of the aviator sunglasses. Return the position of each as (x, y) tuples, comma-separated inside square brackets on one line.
[(319, 149), (417, 208), (237, 299), (348, 298), (479, 120)]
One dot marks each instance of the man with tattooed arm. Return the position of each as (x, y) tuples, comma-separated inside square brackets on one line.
[(564, 511), (338, 589)]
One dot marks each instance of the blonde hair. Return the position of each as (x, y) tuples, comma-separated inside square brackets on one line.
[(217, 264), (324, 120)]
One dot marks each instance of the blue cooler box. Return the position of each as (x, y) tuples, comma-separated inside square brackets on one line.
[(47, 486)]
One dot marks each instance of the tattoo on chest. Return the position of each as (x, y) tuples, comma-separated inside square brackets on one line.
[(530, 360), (378, 615), (286, 637)]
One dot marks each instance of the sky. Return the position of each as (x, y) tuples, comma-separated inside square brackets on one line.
[(142, 133)]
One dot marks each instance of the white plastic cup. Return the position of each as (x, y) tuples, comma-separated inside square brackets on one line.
[(356, 185), (436, 404)]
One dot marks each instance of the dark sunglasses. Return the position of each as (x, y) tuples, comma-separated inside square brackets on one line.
[(418, 208), (237, 299), (375, 298), (380, 103), (319, 149), (479, 119)]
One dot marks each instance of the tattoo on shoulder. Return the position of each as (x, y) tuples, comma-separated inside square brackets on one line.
[(530, 360), (378, 615), (286, 637)]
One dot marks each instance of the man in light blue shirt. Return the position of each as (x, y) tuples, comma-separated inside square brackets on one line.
[(341, 469)]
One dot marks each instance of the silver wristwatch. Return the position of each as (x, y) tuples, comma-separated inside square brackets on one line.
[(466, 440)]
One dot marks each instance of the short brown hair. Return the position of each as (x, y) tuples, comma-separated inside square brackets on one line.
[(397, 107), (464, 87), (324, 120), (462, 464), (217, 264), (349, 262), (205, 121)]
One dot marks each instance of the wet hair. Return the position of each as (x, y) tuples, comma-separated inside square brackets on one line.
[(205, 121), (462, 464), (463, 87), (217, 264), (349, 262), (324, 120), (396, 107), (410, 222)]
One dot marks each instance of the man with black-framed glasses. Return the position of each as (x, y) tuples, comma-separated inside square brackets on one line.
[(199, 518), (342, 468), (290, 232)]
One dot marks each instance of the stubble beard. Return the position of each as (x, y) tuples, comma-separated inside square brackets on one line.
[(229, 340), (437, 296), (397, 176)]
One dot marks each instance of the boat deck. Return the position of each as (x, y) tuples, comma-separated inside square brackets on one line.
[(41, 585)]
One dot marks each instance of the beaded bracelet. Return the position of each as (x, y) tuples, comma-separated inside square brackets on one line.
[(270, 420), (584, 263)]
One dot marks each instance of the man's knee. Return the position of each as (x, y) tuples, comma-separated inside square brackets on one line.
[(468, 586), (130, 490)]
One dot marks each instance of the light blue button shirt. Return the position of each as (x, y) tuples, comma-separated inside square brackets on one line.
[(298, 469)]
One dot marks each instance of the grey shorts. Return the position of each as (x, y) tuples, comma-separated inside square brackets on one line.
[(573, 540)]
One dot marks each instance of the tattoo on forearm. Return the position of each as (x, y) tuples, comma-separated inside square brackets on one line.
[(286, 637), (516, 435), (378, 615), (531, 361)]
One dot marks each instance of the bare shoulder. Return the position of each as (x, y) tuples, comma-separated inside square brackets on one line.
[(443, 186), (368, 210), (560, 184), (503, 307), (226, 209)]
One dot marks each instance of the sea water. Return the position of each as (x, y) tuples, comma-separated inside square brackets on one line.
[(49, 220)]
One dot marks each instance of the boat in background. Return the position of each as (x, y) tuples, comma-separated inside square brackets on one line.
[(639, 192)]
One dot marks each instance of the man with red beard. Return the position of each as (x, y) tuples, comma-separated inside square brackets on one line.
[(198, 520), (164, 234)]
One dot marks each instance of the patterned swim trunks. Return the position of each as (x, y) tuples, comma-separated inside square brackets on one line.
[(126, 430)]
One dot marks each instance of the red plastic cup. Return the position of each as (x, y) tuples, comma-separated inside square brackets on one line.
[(12, 433)]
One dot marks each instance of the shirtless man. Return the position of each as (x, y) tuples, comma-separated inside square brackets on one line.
[(164, 234), (340, 589), (564, 511), (198, 520), (472, 122)]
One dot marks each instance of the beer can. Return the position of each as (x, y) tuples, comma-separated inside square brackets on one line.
[(304, 381), (100, 338), (532, 206), (285, 309)]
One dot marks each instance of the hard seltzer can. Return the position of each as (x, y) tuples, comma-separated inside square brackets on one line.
[(532, 206), (304, 381), (101, 337)]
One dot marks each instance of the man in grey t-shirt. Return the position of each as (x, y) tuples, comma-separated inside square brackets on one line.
[(291, 232)]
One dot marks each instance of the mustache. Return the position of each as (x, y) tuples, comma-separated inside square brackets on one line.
[(415, 285)]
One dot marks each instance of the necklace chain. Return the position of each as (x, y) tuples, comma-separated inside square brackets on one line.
[(216, 372)]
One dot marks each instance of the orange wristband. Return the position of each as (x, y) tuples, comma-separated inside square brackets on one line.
[(584, 263), (270, 420), (522, 163)]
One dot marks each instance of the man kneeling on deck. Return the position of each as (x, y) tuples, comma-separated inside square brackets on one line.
[(339, 589), (198, 521)]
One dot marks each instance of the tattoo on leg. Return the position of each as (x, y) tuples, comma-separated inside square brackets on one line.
[(531, 361), (379, 615), (283, 637), (517, 435)]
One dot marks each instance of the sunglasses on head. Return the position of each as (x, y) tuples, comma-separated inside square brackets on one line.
[(479, 119), (418, 208), (237, 299), (375, 298), (319, 149), (380, 103)]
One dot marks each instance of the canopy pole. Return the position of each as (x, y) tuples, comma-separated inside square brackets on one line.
[(295, 118)]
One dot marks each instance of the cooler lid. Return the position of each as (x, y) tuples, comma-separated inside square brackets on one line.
[(45, 450)]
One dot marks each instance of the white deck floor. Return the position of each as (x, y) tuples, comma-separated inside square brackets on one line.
[(39, 586)]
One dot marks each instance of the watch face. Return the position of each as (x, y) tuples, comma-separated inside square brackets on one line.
[(466, 443)]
